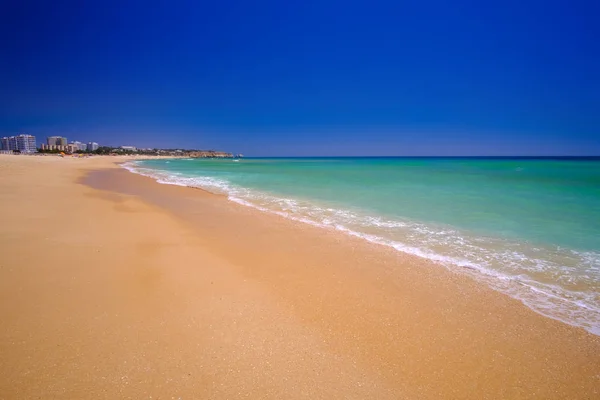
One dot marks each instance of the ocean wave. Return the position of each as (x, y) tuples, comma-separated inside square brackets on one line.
[(547, 280)]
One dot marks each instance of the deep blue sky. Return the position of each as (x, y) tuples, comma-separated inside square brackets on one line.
[(308, 77)]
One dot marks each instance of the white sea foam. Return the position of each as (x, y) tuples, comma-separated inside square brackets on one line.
[(548, 280)]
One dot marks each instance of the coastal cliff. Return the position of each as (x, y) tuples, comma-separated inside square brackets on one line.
[(210, 154)]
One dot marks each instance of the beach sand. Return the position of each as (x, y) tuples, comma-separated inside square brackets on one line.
[(113, 286)]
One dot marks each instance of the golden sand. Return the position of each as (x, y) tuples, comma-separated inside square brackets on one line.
[(113, 286)]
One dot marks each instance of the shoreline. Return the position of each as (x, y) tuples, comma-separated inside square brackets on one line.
[(249, 303), (540, 297)]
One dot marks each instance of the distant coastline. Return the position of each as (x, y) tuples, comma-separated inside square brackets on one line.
[(441, 157), (119, 151)]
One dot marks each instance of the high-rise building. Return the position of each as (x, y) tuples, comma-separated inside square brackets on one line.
[(22, 143), (91, 146), (78, 145), (26, 143), (5, 144), (56, 141)]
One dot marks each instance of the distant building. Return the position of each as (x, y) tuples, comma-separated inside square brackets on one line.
[(22, 143), (128, 148), (53, 147), (56, 141), (91, 146), (77, 146), (5, 144), (26, 143)]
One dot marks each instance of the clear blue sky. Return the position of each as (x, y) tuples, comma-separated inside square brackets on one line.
[(307, 77)]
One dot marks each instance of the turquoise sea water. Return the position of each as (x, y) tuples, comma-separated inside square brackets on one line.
[(527, 227)]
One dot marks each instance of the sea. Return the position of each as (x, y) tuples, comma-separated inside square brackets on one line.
[(528, 227)]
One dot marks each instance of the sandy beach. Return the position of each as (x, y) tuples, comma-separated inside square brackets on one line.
[(113, 286)]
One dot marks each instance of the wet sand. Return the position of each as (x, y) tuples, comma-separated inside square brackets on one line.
[(114, 286)]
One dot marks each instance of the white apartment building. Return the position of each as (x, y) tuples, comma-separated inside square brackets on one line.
[(22, 143), (78, 145)]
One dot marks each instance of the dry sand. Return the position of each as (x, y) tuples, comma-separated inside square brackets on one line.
[(115, 287)]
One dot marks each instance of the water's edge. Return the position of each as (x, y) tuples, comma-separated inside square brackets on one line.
[(548, 300)]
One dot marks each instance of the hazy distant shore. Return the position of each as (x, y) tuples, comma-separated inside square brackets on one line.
[(114, 286)]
